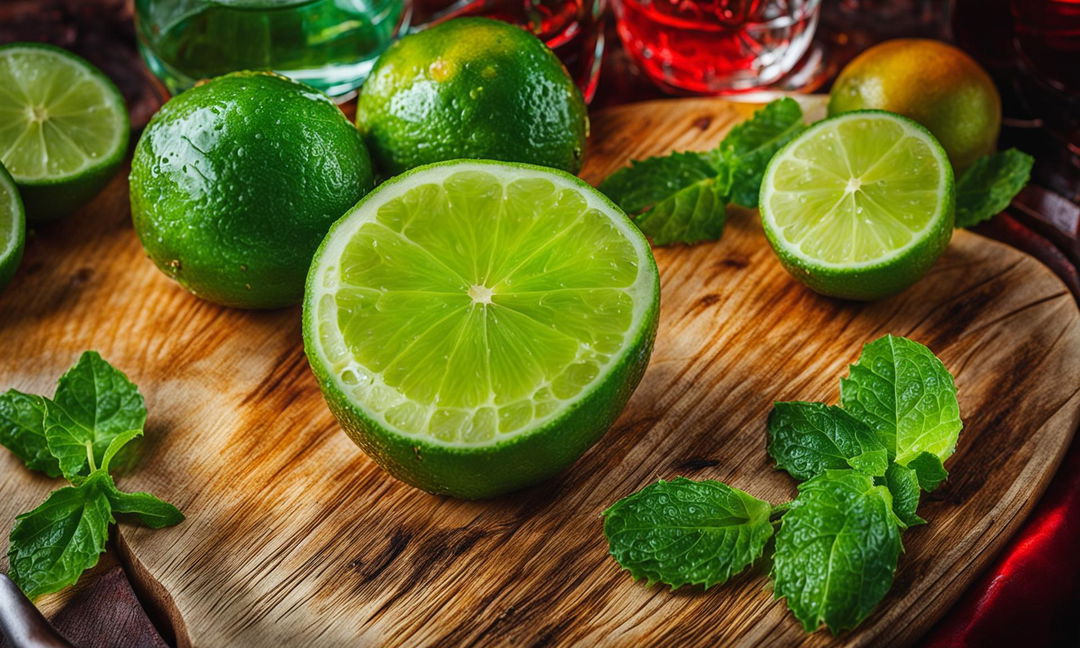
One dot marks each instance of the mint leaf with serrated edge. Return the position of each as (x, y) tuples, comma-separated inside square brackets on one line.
[(928, 470), (904, 393), (686, 532), (677, 198), (749, 146), (94, 404), (989, 185), (22, 431), (51, 546), (692, 215), (903, 484), (805, 439), (150, 510), (836, 550)]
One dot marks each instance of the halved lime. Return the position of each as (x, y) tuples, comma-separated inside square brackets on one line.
[(63, 127), (859, 206), (475, 326), (12, 227)]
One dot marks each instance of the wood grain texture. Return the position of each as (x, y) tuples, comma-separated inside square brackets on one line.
[(295, 538)]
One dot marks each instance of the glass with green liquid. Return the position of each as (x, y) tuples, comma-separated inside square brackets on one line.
[(328, 44)]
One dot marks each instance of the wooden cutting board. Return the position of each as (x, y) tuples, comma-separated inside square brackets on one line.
[(295, 538)]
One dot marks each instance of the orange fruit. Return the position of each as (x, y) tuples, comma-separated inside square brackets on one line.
[(933, 83)]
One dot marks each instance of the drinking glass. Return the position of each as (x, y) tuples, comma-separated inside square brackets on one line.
[(571, 28), (329, 44), (716, 46)]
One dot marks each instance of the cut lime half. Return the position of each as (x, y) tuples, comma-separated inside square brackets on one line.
[(859, 206), (476, 326), (63, 127), (12, 228)]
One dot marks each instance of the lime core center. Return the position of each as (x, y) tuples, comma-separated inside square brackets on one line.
[(480, 294)]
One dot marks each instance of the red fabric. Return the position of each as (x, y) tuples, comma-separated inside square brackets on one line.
[(1031, 596)]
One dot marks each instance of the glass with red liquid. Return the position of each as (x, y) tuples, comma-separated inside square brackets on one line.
[(716, 46), (571, 28)]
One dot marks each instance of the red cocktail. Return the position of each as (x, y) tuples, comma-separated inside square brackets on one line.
[(716, 46)]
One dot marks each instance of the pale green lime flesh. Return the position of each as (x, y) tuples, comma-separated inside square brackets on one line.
[(860, 204), (467, 304), (12, 228), (57, 119)]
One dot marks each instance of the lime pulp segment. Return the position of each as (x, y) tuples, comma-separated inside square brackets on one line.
[(59, 117), (468, 303), (856, 190)]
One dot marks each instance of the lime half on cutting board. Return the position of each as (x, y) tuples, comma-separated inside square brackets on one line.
[(63, 127), (859, 206), (476, 326), (12, 228)]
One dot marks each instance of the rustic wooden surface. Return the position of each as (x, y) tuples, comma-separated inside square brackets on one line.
[(295, 538)]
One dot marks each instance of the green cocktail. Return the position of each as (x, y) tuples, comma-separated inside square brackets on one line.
[(328, 44)]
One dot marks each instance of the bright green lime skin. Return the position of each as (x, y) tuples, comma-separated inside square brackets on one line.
[(47, 200), (875, 281), (10, 263), (234, 183), (472, 88), (482, 473)]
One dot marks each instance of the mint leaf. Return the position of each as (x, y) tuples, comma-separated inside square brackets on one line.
[(691, 215), (836, 550), (748, 147), (94, 404), (928, 470), (687, 532), (904, 393), (989, 185), (150, 510), (806, 439), (645, 183), (903, 484), (51, 546), (22, 430), (677, 198)]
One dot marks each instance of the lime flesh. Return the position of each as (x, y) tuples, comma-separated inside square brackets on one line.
[(63, 127), (12, 228), (476, 325), (860, 205)]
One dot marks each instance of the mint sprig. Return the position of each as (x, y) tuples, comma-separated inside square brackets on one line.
[(94, 414), (683, 197), (864, 466), (989, 185)]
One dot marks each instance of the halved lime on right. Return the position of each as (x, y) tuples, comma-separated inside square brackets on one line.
[(63, 127), (475, 326), (859, 206), (12, 228)]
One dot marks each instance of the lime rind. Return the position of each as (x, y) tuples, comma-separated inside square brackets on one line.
[(12, 227), (63, 127), (471, 422), (860, 205)]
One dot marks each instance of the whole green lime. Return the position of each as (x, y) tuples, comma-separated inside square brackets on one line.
[(234, 184), (931, 82), (472, 88)]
